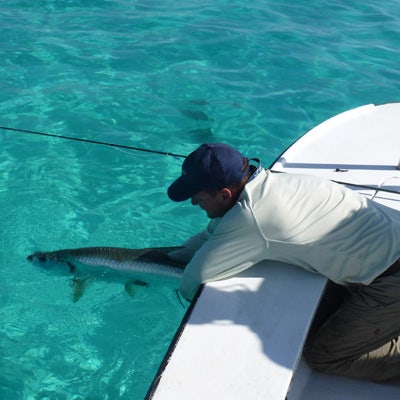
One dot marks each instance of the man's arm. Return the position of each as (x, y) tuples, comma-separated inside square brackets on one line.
[(235, 245)]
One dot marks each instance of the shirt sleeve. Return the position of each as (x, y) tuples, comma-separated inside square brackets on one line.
[(235, 245), (193, 244)]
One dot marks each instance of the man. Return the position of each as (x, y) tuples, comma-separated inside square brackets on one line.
[(310, 222)]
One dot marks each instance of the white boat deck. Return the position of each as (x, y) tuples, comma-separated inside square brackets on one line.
[(244, 337), (311, 385), (239, 329)]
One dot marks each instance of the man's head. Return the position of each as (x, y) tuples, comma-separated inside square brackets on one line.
[(210, 176)]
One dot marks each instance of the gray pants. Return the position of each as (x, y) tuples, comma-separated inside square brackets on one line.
[(362, 337)]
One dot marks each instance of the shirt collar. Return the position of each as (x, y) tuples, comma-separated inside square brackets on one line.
[(257, 170)]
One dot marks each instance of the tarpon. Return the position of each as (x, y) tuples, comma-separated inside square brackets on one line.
[(133, 266)]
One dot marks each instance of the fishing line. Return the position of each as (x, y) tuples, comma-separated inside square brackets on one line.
[(121, 146), (159, 152), (361, 186), (374, 188)]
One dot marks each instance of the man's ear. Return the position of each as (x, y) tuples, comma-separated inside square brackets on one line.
[(226, 194)]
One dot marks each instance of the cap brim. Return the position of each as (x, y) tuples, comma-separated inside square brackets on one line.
[(181, 190)]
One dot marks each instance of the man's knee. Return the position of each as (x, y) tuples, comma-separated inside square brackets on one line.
[(317, 359)]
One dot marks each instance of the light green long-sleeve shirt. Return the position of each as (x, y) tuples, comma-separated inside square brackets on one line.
[(302, 220)]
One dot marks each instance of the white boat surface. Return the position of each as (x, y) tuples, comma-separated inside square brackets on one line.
[(243, 337)]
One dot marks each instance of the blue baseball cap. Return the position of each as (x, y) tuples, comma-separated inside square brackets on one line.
[(212, 166)]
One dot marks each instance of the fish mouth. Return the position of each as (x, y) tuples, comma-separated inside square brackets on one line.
[(33, 257), (38, 258)]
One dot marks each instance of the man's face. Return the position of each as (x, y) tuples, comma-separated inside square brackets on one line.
[(215, 205)]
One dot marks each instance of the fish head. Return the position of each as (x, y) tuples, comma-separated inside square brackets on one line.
[(53, 260)]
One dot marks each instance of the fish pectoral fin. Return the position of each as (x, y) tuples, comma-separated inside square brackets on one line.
[(130, 287), (78, 288), (71, 266)]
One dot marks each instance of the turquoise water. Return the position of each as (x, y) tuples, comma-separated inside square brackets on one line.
[(160, 75)]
